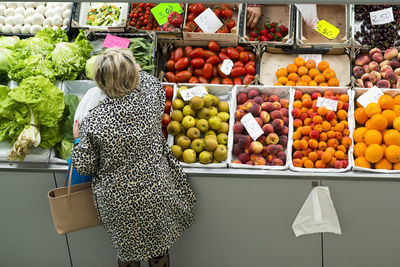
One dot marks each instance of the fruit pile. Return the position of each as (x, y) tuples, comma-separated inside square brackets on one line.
[(271, 113), (200, 128), (378, 69), (377, 141), (321, 136), (222, 11), (306, 73), (270, 32), (382, 36), (200, 65), (166, 118)]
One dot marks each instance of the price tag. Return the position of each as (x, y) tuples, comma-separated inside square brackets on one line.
[(382, 16), (208, 21), (194, 91), (251, 125), (115, 41), (327, 29), (227, 66), (371, 96), (316, 57), (161, 11), (328, 103)]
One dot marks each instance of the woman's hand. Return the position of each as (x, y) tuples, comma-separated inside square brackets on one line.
[(75, 129), (253, 15)]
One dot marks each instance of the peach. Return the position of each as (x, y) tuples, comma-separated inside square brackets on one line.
[(373, 66), (374, 76), (364, 77), (307, 103), (315, 95), (260, 161), (368, 84), (303, 144), (241, 107), (385, 69), (259, 121), (391, 77), (366, 69), (345, 163), (283, 131), (358, 71), (253, 157), (272, 149), (239, 114), (314, 134), (360, 83), (264, 97), (281, 156), (345, 106), (383, 84), (377, 57), (252, 93), (284, 112), (374, 51), (256, 147), (391, 53), (267, 106), (338, 164), (265, 117), (362, 60), (244, 141), (238, 127), (303, 116), (236, 137), (244, 157), (273, 98), (241, 98), (383, 63), (297, 123), (277, 105), (283, 140), (286, 121), (394, 63), (268, 128), (250, 162), (297, 163), (255, 109), (248, 105), (236, 161), (398, 84), (236, 150), (270, 158), (284, 103), (312, 143), (278, 124), (277, 162), (296, 112), (262, 139), (298, 94), (397, 71), (258, 100), (272, 138), (276, 114)]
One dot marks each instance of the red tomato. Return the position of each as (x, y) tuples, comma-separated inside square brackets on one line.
[(232, 53), (252, 63), (227, 81), (213, 60), (197, 63), (198, 72), (178, 54), (215, 71), (217, 12), (216, 80), (191, 26), (190, 17), (238, 64), (170, 76), (171, 55), (244, 57), (223, 29), (238, 71), (221, 74), (237, 81), (208, 70), (197, 52), (170, 65), (169, 91), (223, 50), (202, 80), (252, 56), (167, 106), (226, 13), (166, 118), (250, 69), (248, 79), (193, 79), (213, 46), (240, 48), (208, 53), (190, 8), (190, 69), (187, 51), (183, 76), (222, 56), (229, 23), (198, 8), (182, 63)]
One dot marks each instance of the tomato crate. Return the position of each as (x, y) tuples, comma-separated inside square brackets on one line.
[(279, 13), (338, 16), (225, 39)]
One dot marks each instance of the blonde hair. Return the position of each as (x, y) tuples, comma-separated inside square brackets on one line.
[(116, 72)]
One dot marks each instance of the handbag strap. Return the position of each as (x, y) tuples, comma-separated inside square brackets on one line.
[(69, 185)]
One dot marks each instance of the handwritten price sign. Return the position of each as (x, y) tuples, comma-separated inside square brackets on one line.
[(252, 126), (208, 21), (328, 103), (115, 41), (161, 11), (227, 66), (327, 29), (371, 96), (194, 91), (316, 57), (382, 16)]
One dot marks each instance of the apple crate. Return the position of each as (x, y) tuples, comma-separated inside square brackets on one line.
[(337, 15), (281, 13), (350, 120), (224, 39), (224, 92), (357, 93), (282, 93), (274, 59)]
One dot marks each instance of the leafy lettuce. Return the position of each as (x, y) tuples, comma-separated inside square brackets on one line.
[(32, 66)]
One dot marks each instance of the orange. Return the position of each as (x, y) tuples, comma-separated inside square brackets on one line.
[(379, 122), (359, 134), (298, 61), (397, 100), (291, 68), (372, 109), (313, 72), (333, 82), (282, 72), (301, 83), (390, 115), (373, 137), (396, 123), (306, 78), (293, 77), (341, 114), (313, 83), (329, 73), (323, 65), (396, 166), (374, 153), (323, 84), (383, 164), (362, 162), (392, 153), (359, 149), (396, 110), (278, 84), (360, 116), (391, 137), (290, 83), (386, 102), (310, 63), (282, 80), (302, 70), (319, 78)]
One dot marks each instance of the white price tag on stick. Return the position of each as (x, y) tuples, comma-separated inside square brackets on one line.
[(252, 126), (327, 103), (371, 96), (208, 21), (227, 66), (382, 16), (316, 57), (194, 91)]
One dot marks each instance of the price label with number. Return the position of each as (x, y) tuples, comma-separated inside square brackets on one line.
[(371, 96), (327, 103), (227, 66), (382, 16), (161, 11), (316, 57), (252, 126), (115, 41), (208, 21), (327, 29), (194, 91)]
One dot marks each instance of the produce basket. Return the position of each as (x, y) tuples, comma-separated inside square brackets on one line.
[(282, 93), (116, 24), (51, 14), (279, 13), (350, 120), (224, 39), (273, 59), (337, 15), (224, 92), (358, 92)]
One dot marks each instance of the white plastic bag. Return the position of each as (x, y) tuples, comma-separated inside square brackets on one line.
[(309, 14), (318, 215), (91, 99)]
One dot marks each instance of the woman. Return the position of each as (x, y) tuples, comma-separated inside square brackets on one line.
[(139, 189)]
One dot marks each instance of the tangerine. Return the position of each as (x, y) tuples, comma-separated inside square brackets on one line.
[(298, 61), (302, 70), (360, 115), (282, 72), (329, 73), (282, 80), (293, 77), (313, 72), (396, 123), (306, 78), (374, 153), (396, 166), (373, 136), (312, 83), (323, 84), (396, 110), (372, 109), (301, 83), (319, 78), (362, 162), (290, 83), (291, 68), (310, 63), (397, 100), (323, 65), (386, 102), (277, 84), (333, 82)]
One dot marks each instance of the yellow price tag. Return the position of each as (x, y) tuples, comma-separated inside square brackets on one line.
[(327, 29)]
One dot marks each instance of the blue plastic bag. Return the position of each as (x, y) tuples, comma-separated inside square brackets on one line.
[(76, 177)]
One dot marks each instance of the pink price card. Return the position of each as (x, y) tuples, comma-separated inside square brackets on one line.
[(112, 41)]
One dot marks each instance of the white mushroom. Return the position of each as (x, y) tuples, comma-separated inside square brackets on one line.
[(28, 20), (41, 9), (49, 12), (66, 14), (9, 12), (2, 20), (35, 29), (30, 4), (18, 19), (17, 28), (58, 11), (37, 19), (26, 29), (2, 9), (29, 12), (7, 28), (9, 21), (66, 22), (56, 20), (47, 22), (11, 4), (19, 10)]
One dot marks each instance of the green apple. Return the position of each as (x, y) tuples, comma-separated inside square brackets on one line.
[(196, 103), (189, 156), (223, 106), (197, 145), (203, 113), (224, 128), (215, 100), (210, 132), (177, 136), (188, 122), (177, 104), (222, 138), (205, 157), (193, 133), (211, 136), (208, 100), (177, 150), (183, 142), (177, 115), (202, 125), (188, 111), (174, 128), (212, 111), (178, 93), (221, 153), (224, 116), (216, 161), (215, 123), (210, 144)]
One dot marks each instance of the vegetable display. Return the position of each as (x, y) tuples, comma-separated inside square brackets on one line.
[(142, 18), (105, 15)]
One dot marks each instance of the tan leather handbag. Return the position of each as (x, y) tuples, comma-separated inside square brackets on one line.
[(72, 207)]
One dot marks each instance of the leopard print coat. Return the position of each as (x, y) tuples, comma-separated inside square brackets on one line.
[(140, 191)]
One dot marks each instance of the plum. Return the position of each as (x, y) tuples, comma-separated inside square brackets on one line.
[(375, 50), (358, 71), (374, 76), (383, 84), (391, 77), (377, 57), (373, 66), (360, 83), (368, 84), (362, 60), (391, 53), (394, 63)]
